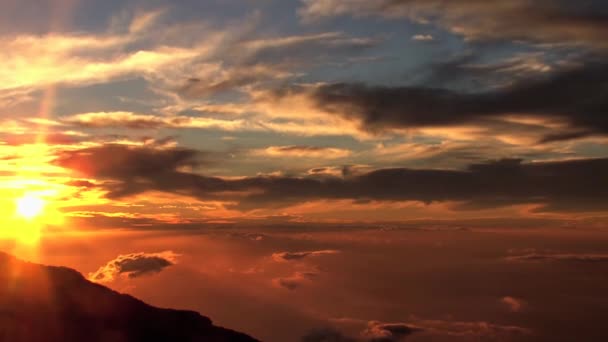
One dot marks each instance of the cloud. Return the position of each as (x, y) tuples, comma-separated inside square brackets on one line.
[(294, 281), (289, 256), (231, 79), (193, 59), (252, 62), (263, 120), (120, 120), (423, 37), (134, 265), (560, 257), (339, 171), (387, 332), (301, 49), (67, 59), (144, 20), (263, 110), (144, 121), (471, 329), (569, 185), (578, 107), (375, 332), (514, 304), (114, 161), (81, 184), (462, 71), (133, 48), (551, 21), (297, 151)]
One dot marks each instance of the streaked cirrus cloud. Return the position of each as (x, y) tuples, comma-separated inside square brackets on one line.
[(296, 151)]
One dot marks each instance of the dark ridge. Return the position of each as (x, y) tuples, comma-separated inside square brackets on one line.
[(47, 303)]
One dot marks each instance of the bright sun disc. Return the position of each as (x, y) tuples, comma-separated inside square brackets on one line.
[(30, 206)]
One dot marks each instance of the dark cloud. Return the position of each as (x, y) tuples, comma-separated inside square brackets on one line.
[(289, 256), (570, 185), (133, 167), (470, 89), (472, 69), (134, 265), (547, 21), (576, 185), (576, 95)]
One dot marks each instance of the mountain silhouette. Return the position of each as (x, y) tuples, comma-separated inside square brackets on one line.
[(47, 303)]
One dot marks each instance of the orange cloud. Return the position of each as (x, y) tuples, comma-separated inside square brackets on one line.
[(303, 152)]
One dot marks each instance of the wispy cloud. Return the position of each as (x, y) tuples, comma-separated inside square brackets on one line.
[(296, 151), (514, 304), (423, 37), (147, 121)]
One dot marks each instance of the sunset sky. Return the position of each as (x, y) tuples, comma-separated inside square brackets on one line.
[(326, 166)]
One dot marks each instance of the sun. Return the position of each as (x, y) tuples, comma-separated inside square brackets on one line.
[(30, 207)]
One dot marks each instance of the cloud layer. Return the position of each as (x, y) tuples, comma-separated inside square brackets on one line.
[(571, 185)]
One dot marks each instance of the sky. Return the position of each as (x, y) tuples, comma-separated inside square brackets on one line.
[(387, 170)]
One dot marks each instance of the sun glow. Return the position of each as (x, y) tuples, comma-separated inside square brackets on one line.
[(30, 207), (25, 218)]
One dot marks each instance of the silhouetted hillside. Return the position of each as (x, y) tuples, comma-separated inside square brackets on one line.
[(46, 303)]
